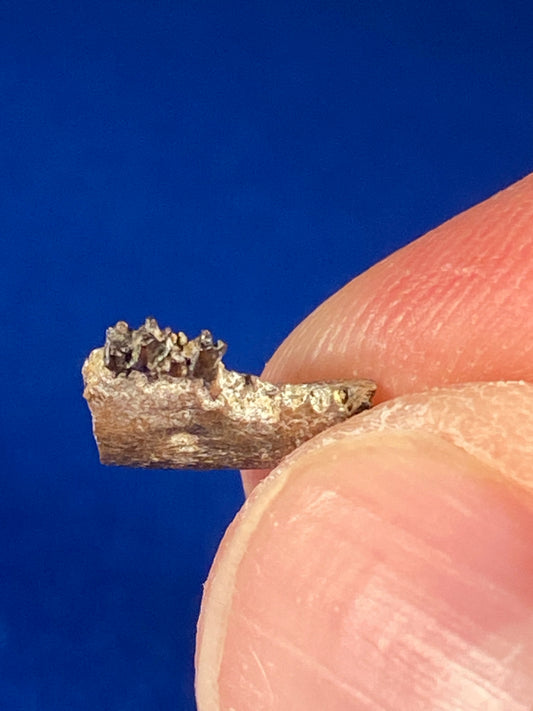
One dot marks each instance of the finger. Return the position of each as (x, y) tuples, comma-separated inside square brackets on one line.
[(385, 564), (453, 306)]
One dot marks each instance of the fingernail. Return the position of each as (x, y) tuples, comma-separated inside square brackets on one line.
[(387, 571)]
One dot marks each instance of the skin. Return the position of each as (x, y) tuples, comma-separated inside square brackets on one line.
[(388, 563)]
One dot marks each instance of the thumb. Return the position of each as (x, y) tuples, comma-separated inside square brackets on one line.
[(385, 564)]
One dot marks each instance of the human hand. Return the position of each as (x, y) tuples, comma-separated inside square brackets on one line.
[(388, 563)]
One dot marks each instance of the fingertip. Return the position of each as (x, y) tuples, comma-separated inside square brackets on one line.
[(449, 307), (251, 478), (387, 566)]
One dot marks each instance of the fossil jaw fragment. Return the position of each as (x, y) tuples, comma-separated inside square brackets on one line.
[(161, 400)]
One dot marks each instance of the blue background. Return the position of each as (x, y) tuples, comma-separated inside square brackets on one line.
[(222, 165)]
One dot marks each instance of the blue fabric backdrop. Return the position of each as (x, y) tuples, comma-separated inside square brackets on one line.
[(222, 165)]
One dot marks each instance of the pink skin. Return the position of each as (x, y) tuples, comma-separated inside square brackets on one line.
[(388, 563)]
